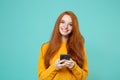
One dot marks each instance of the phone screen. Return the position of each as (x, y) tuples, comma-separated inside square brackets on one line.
[(65, 56)]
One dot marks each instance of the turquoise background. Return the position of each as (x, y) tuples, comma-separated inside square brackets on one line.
[(26, 24)]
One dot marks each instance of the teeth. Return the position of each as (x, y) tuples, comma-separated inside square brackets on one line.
[(64, 30)]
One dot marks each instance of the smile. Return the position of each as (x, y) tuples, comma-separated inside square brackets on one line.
[(64, 30)]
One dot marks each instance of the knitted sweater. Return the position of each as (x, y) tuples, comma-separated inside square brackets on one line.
[(52, 73)]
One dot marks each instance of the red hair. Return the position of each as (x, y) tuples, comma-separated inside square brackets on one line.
[(75, 42)]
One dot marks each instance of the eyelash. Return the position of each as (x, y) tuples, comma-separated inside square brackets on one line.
[(64, 22), (70, 24)]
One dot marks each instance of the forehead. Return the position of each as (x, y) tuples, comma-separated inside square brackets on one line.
[(66, 18)]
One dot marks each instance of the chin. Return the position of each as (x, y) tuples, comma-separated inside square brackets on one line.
[(64, 34)]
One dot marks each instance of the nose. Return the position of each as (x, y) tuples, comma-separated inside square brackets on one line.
[(65, 26)]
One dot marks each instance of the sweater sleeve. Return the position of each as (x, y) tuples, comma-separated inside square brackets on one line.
[(45, 74), (81, 73)]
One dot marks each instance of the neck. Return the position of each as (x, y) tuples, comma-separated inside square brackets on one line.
[(64, 39)]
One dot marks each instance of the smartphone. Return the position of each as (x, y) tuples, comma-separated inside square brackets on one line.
[(65, 56)]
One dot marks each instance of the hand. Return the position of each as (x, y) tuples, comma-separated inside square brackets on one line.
[(60, 63), (69, 63)]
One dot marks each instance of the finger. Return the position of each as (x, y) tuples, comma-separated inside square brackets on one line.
[(69, 62), (62, 65), (62, 61), (69, 59)]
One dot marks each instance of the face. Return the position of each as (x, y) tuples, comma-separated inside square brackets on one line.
[(65, 26)]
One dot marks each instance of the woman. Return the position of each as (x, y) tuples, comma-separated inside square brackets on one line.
[(66, 39)]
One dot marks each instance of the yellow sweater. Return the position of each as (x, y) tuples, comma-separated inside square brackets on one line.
[(52, 73)]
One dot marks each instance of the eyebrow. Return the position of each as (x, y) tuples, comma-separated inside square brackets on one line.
[(64, 20)]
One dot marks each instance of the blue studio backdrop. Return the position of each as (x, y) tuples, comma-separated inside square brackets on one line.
[(26, 24)]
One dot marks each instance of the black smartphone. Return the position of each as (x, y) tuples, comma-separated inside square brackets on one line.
[(65, 56)]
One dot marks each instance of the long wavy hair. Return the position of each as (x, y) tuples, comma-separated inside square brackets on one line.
[(75, 42)]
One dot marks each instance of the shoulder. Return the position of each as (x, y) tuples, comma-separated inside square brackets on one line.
[(43, 48), (45, 45)]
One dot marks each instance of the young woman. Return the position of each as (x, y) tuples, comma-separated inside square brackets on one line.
[(66, 39)]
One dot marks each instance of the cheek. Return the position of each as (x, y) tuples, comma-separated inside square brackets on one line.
[(60, 26), (70, 28)]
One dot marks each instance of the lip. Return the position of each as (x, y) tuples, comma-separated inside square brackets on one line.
[(64, 30)]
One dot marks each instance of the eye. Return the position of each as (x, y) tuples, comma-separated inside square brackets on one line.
[(62, 21), (70, 24)]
